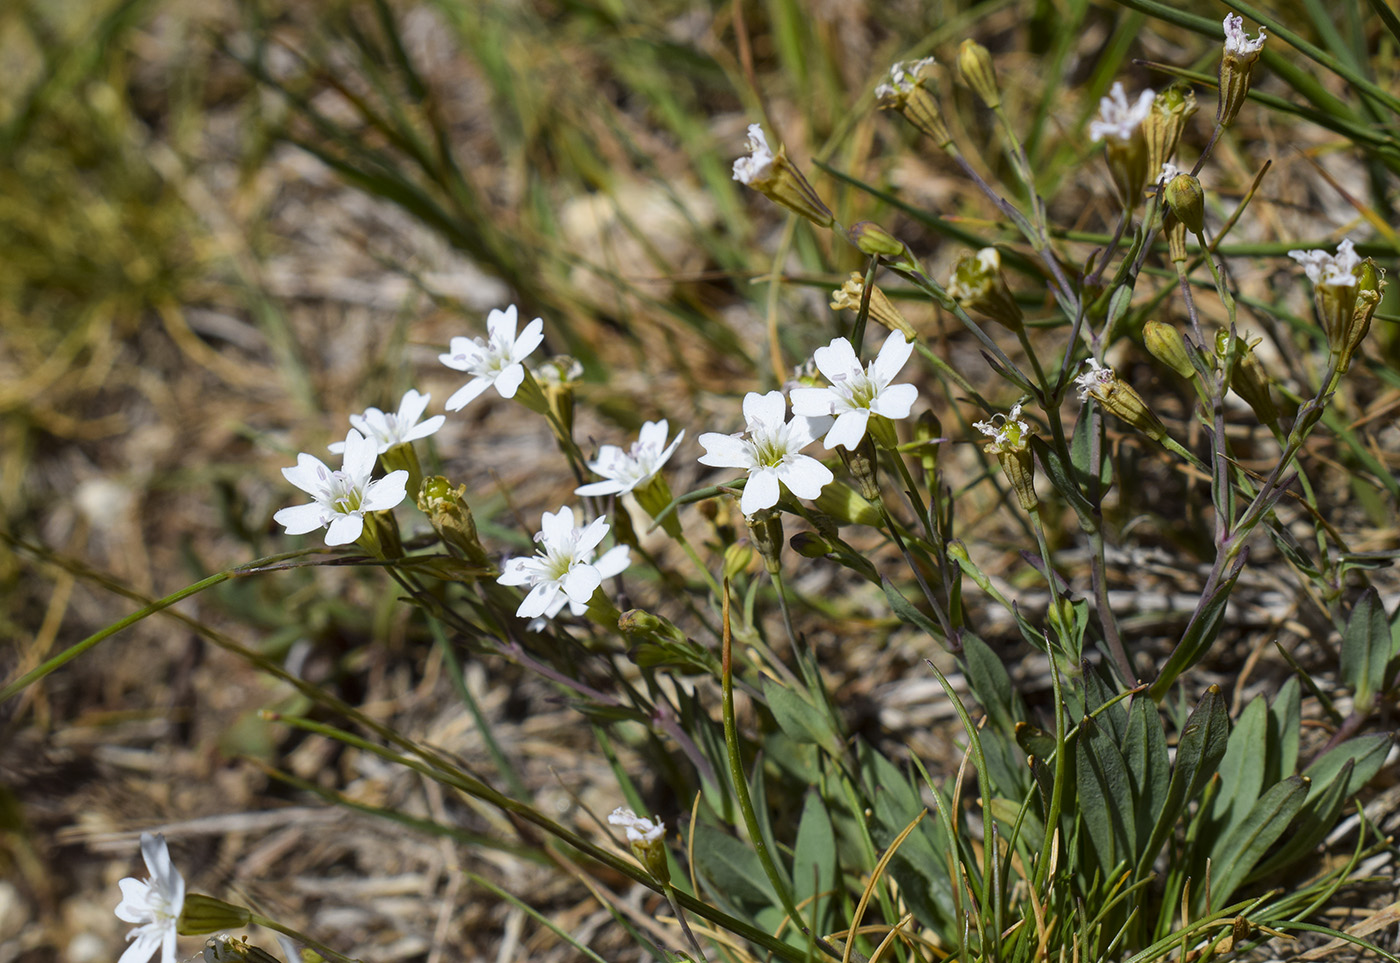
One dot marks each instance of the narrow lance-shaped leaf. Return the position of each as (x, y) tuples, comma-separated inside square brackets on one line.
[(1105, 795), (1366, 650), (1246, 845)]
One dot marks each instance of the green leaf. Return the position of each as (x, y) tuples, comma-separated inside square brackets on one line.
[(1315, 821), (1080, 450), (814, 863), (1149, 765), (732, 869), (1285, 720), (909, 613), (990, 682), (1195, 641), (1368, 752), (1098, 693), (1198, 754), (1064, 482), (1366, 649), (799, 719), (1105, 795), (1242, 770), (1245, 846)]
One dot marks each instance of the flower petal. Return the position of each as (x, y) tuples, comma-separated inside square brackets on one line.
[(516, 571), (539, 600), (895, 401), (770, 410), (143, 948), (804, 476), (501, 324), (466, 394), (614, 561), (508, 381), (609, 486), (813, 401), (528, 341), (589, 537), (360, 456), (556, 528), (653, 433), (310, 474), (300, 519), (344, 529), (462, 354), (892, 357), (724, 451), (385, 493), (837, 360), (580, 582), (426, 428), (761, 491), (412, 406), (847, 432)]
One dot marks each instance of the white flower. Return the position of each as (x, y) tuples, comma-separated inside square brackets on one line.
[(903, 76), (154, 903), (1117, 117), (1324, 268), (494, 361), (1169, 172), (625, 470), (340, 498), (856, 393), (1235, 40), (759, 159), (1096, 376), (387, 430), (639, 828), (563, 570), (1011, 434), (768, 451)]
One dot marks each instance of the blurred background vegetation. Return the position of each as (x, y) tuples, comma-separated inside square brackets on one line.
[(226, 225)]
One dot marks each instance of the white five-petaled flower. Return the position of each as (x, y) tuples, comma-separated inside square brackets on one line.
[(1096, 376), (768, 451), (625, 470), (1324, 268), (341, 498), (1011, 433), (1118, 118), (154, 904), (563, 571), (387, 430), (903, 76), (857, 392), (1235, 40), (496, 360), (639, 828), (759, 159)]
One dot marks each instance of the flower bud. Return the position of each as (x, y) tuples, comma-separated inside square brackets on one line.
[(1187, 201), (1370, 288), (863, 468), (1236, 67), (844, 504), (638, 624), (205, 914), (809, 545), (1247, 377), (774, 176), (225, 949), (908, 94), (1120, 400), (928, 434), (882, 309), (451, 518), (737, 558), (873, 240), (975, 65), (1161, 130), (766, 532), (1166, 344), (978, 285), (1335, 288)]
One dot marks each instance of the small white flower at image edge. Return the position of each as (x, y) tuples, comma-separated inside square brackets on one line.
[(639, 828), (154, 904), (563, 571), (494, 360), (387, 430), (857, 392), (622, 470), (769, 451), (340, 498)]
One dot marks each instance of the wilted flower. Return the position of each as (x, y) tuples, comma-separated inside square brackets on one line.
[(1235, 40), (639, 828), (1236, 68), (1324, 268), (496, 360), (625, 470), (340, 498), (1119, 399), (769, 451), (1010, 442), (387, 430), (903, 78), (857, 392), (774, 176), (563, 571), (1117, 118), (154, 903)]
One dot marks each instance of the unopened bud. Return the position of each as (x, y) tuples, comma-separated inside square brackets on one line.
[(737, 559), (809, 545), (907, 93), (975, 65), (844, 504), (978, 285), (1236, 67), (1161, 131), (1120, 400), (638, 624), (1176, 236), (774, 176), (1166, 344), (1247, 376), (928, 434), (882, 309), (766, 532), (1370, 288), (1187, 201), (205, 914), (873, 240)]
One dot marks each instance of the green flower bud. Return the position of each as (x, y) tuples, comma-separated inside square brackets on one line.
[(1166, 344), (737, 558), (845, 505), (978, 285), (1176, 236), (1187, 201), (1120, 400), (638, 624), (873, 240), (1247, 377), (809, 545), (975, 66), (451, 518), (205, 914), (1370, 288)]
